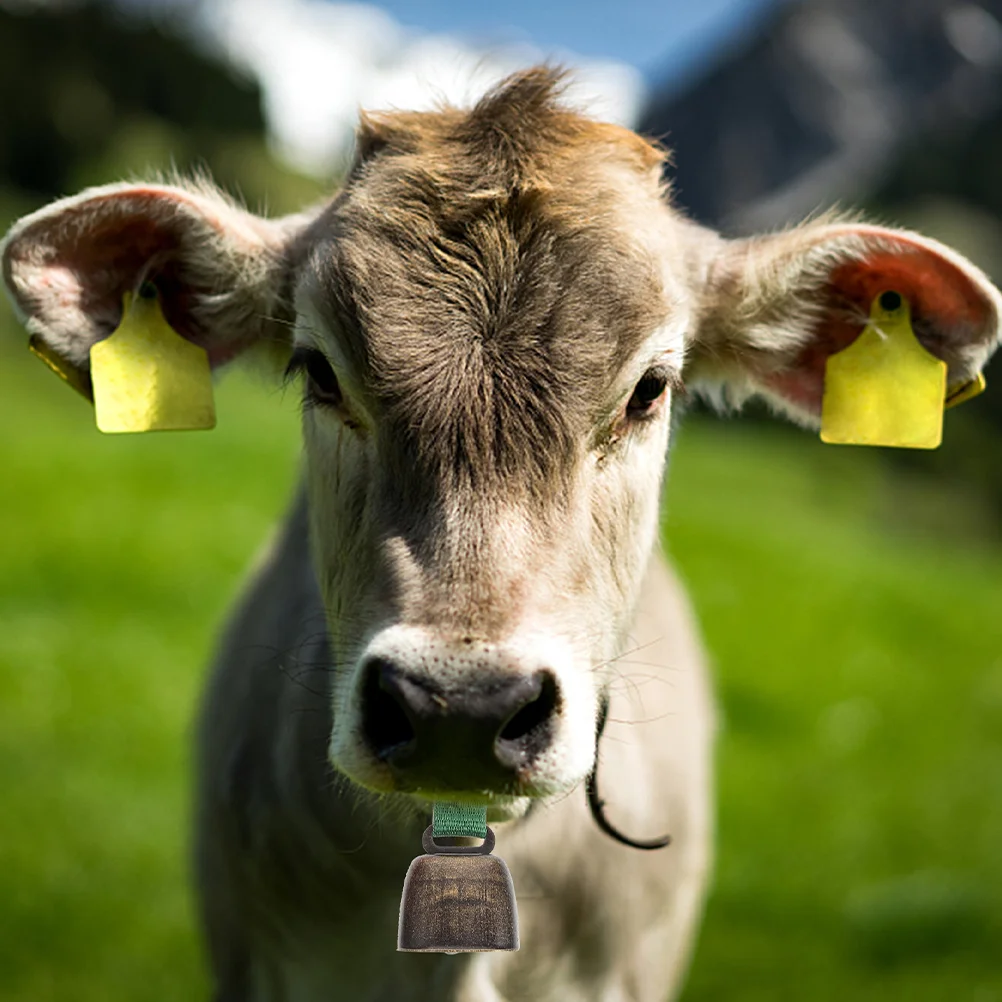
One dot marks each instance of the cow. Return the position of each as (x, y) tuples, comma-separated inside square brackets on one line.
[(494, 319)]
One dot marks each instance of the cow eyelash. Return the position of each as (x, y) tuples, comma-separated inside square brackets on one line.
[(322, 386)]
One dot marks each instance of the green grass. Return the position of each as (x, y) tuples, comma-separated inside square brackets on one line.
[(119, 557), (859, 662), (853, 620)]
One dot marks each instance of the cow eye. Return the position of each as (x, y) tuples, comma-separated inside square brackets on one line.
[(648, 391), (321, 382)]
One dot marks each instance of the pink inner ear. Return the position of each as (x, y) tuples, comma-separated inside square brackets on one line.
[(111, 258), (948, 311), (83, 259), (88, 257)]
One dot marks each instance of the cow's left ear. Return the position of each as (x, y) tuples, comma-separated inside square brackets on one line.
[(776, 307), (220, 271)]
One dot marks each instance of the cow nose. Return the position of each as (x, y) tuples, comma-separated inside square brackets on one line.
[(473, 736)]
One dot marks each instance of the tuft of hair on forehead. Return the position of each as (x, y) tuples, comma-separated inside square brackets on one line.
[(515, 131), (516, 121), (484, 282)]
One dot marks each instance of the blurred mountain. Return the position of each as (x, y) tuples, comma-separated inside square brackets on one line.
[(894, 106), (840, 100), (89, 94)]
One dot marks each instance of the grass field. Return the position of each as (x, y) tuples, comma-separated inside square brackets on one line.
[(853, 617)]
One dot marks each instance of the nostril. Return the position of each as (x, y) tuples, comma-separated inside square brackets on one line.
[(384, 722), (526, 731)]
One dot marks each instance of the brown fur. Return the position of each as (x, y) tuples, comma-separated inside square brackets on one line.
[(445, 267)]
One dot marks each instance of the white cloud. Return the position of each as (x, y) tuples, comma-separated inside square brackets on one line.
[(319, 62)]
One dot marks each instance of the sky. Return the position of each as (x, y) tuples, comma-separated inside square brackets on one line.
[(320, 61), (658, 37)]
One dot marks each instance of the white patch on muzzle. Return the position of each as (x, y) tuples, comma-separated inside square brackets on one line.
[(452, 665)]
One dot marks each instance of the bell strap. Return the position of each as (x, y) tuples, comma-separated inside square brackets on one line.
[(451, 819)]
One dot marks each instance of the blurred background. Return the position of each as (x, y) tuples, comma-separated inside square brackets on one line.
[(850, 597)]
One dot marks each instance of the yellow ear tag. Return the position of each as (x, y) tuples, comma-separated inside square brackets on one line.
[(885, 388), (69, 374), (147, 377)]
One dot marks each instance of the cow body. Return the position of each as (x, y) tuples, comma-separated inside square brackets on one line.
[(301, 874)]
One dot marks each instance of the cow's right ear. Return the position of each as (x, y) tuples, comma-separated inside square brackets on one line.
[(221, 272), (777, 307)]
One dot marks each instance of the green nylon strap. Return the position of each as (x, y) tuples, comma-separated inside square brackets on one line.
[(450, 819)]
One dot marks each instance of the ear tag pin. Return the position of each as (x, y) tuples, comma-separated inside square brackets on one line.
[(147, 377), (885, 388), (457, 899)]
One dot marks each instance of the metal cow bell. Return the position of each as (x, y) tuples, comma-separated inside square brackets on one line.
[(457, 899)]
